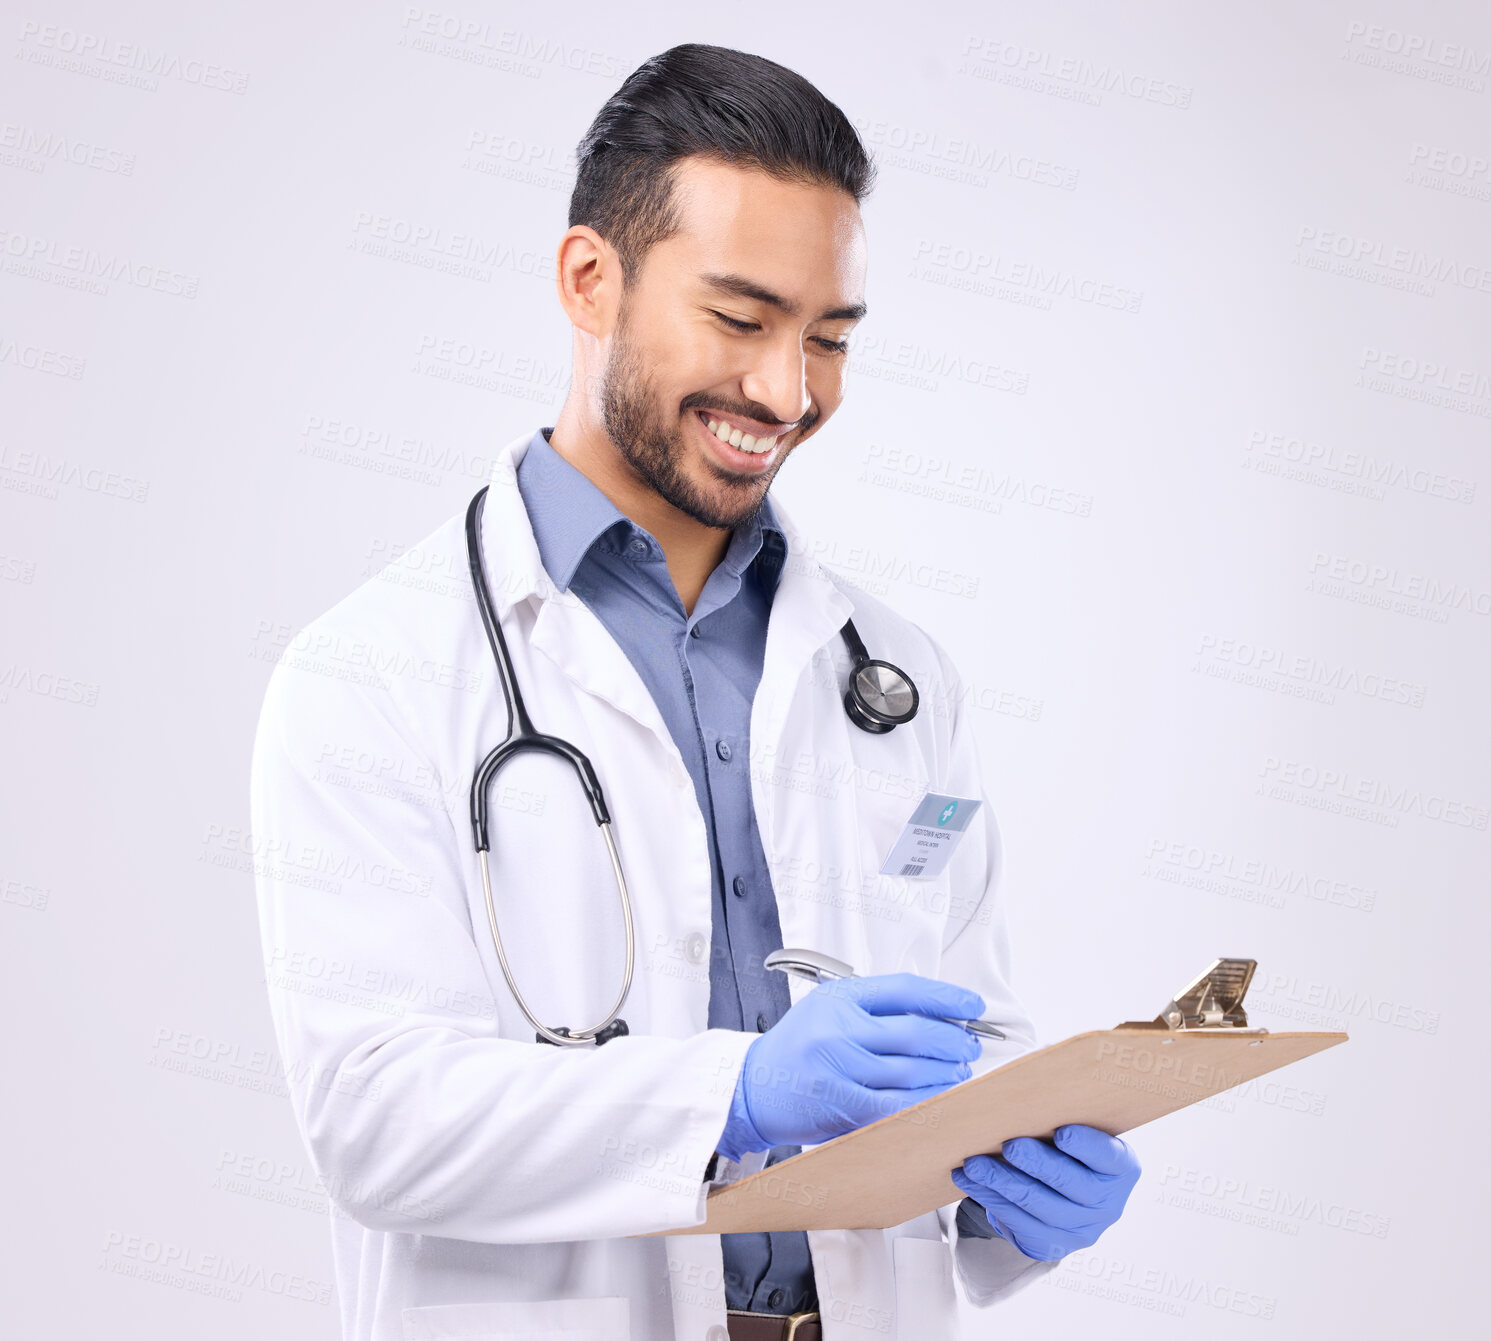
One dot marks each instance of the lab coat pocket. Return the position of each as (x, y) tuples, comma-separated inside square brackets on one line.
[(926, 1304), (904, 917), (522, 1320)]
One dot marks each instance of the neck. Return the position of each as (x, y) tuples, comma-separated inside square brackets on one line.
[(692, 549)]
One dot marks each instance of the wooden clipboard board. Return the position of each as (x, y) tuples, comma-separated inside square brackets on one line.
[(896, 1169)]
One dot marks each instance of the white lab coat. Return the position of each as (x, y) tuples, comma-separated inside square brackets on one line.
[(483, 1185)]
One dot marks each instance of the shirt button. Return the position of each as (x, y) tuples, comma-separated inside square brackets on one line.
[(638, 547), (694, 632), (722, 748), (738, 885), (774, 1299), (760, 1024), (695, 948)]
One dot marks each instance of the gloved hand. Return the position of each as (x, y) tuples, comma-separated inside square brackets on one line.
[(1052, 1200), (851, 1051)]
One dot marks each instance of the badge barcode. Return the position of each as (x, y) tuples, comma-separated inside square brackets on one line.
[(913, 868)]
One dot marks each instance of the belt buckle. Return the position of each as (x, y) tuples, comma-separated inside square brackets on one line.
[(790, 1322)]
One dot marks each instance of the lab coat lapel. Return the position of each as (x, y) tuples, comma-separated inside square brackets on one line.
[(575, 640), (566, 630), (807, 611)]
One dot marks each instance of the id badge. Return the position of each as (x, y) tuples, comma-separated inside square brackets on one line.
[(926, 843)]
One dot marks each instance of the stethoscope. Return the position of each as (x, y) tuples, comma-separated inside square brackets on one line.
[(880, 697)]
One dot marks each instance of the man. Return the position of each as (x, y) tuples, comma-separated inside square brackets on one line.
[(664, 616)]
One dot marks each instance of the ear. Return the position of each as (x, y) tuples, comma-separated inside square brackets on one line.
[(587, 276)]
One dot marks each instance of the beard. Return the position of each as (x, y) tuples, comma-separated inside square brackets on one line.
[(657, 451)]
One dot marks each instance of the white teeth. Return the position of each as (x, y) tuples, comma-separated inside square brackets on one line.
[(736, 438)]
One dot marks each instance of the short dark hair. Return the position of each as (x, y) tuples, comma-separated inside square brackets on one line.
[(726, 105)]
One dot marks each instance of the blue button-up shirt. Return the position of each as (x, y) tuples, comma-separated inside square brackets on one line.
[(702, 670)]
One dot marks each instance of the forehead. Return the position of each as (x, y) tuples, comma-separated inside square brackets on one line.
[(805, 241)]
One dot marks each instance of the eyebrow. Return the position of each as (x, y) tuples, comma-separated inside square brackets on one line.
[(740, 287)]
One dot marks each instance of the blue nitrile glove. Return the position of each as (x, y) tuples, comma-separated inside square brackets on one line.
[(851, 1051), (1050, 1200)]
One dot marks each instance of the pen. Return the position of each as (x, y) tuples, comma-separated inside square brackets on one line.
[(818, 968)]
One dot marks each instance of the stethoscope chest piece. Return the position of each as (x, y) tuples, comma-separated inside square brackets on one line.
[(616, 1029), (880, 696)]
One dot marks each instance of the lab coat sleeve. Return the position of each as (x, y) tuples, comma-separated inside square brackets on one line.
[(418, 1116), (976, 954)]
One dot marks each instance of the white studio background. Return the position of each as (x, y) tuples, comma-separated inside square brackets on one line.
[(1170, 420)]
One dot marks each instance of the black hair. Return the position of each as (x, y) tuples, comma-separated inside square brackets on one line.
[(726, 105)]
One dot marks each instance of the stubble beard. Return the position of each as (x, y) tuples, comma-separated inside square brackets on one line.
[(656, 453)]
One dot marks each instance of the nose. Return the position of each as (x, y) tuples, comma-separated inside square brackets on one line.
[(779, 380)]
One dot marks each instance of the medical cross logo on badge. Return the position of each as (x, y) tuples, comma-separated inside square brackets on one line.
[(930, 836)]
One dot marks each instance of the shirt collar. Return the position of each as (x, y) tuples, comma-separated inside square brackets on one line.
[(570, 515)]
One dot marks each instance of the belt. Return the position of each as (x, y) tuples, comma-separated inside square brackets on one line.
[(745, 1326)]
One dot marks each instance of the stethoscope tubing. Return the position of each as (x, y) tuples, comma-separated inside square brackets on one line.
[(520, 737)]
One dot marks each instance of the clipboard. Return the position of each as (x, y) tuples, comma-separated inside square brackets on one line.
[(897, 1168)]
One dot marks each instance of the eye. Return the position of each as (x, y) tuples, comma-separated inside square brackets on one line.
[(735, 325), (827, 345)]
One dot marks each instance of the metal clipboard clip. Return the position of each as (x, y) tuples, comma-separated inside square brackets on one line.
[(1212, 1001)]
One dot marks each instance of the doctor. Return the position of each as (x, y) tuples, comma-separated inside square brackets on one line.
[(666, 616)]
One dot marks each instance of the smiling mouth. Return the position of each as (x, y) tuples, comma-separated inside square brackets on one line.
[(731, 436)]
